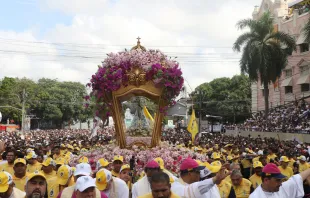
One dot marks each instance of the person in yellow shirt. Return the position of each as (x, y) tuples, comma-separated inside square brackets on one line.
[(33, 164), (285, 170), (291, 162), (259, 153), (303, 165), (117, 164), (48, 167), (102, 163), (246, 166), (271, 156), (64, 177), (256, 178), (243, 187), (160, 186), (20, 174), (7, 188), (56, 152), (8, 166)]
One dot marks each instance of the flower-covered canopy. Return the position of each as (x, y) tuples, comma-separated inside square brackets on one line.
[(135, 67)]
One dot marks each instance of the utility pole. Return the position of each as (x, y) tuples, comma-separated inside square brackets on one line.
[(23, 110)]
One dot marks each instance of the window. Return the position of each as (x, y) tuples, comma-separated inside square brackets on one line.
[(288, 73), (304, 87), (304, 70), (288, 89), (304, 47)]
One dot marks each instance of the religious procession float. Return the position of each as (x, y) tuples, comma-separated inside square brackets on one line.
[(136, 87)]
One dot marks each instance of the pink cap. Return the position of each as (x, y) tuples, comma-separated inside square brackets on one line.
[(152, 164), (189, 164), (273, 171)]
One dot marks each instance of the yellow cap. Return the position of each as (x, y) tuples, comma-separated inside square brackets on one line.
[(284, 159), (83, 160), (118, 157), (63, 145), (49, 161), (124, 167), (161, 163), (216, 163), (60, 161), (199, 162), (5, 181), (212, 168), (35, 174), (63, 174), (103, 177), (31, 155), (102, 163), (229, 157), (215, 155), (20, 160), (257, 164), (76, 148), (83, 150)]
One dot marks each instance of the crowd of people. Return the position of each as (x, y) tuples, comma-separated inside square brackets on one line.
[(73, 163), (290, 118)]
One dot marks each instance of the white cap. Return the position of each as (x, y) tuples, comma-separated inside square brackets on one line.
[(260, 152), (298, 146), (83, 169), (204, 173), (85, 182), (303, 158)]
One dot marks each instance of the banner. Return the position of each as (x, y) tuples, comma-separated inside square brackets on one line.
[(0, 116)]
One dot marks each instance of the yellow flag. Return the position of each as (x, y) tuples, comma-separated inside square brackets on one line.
[(147, 114), (192, 126)]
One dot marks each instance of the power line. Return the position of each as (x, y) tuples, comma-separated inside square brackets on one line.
[(122, 45)]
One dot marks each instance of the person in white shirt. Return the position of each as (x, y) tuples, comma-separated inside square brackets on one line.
[(189, 186), (85, 187), (272, 186), (142, 186), (111, 186)]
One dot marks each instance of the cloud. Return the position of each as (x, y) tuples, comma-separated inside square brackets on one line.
[(101, 26)]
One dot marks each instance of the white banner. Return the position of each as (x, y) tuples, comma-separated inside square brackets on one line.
[(0, 116), (27, 124)]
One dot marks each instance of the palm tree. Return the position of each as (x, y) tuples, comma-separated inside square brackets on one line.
[(262, 54), (306, 31)]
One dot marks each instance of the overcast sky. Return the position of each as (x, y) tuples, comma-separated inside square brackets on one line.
[(67, 39)]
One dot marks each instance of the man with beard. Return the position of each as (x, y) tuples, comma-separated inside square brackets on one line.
[(8, 166), (160, 185), (36, 186), (7, 189), (272, 186), (20, 174)]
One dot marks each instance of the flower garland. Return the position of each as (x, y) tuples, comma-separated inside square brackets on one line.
[(162, 71), (171, 155)]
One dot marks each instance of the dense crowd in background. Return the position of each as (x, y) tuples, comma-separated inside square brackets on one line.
[(290, 118)]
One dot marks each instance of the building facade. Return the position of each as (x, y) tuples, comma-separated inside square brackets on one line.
[(290, 16)]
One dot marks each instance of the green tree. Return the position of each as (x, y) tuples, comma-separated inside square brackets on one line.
[(226, 97), (262, 55)]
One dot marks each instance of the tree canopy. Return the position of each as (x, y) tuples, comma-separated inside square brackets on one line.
[(226, 97), (51, 101)]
